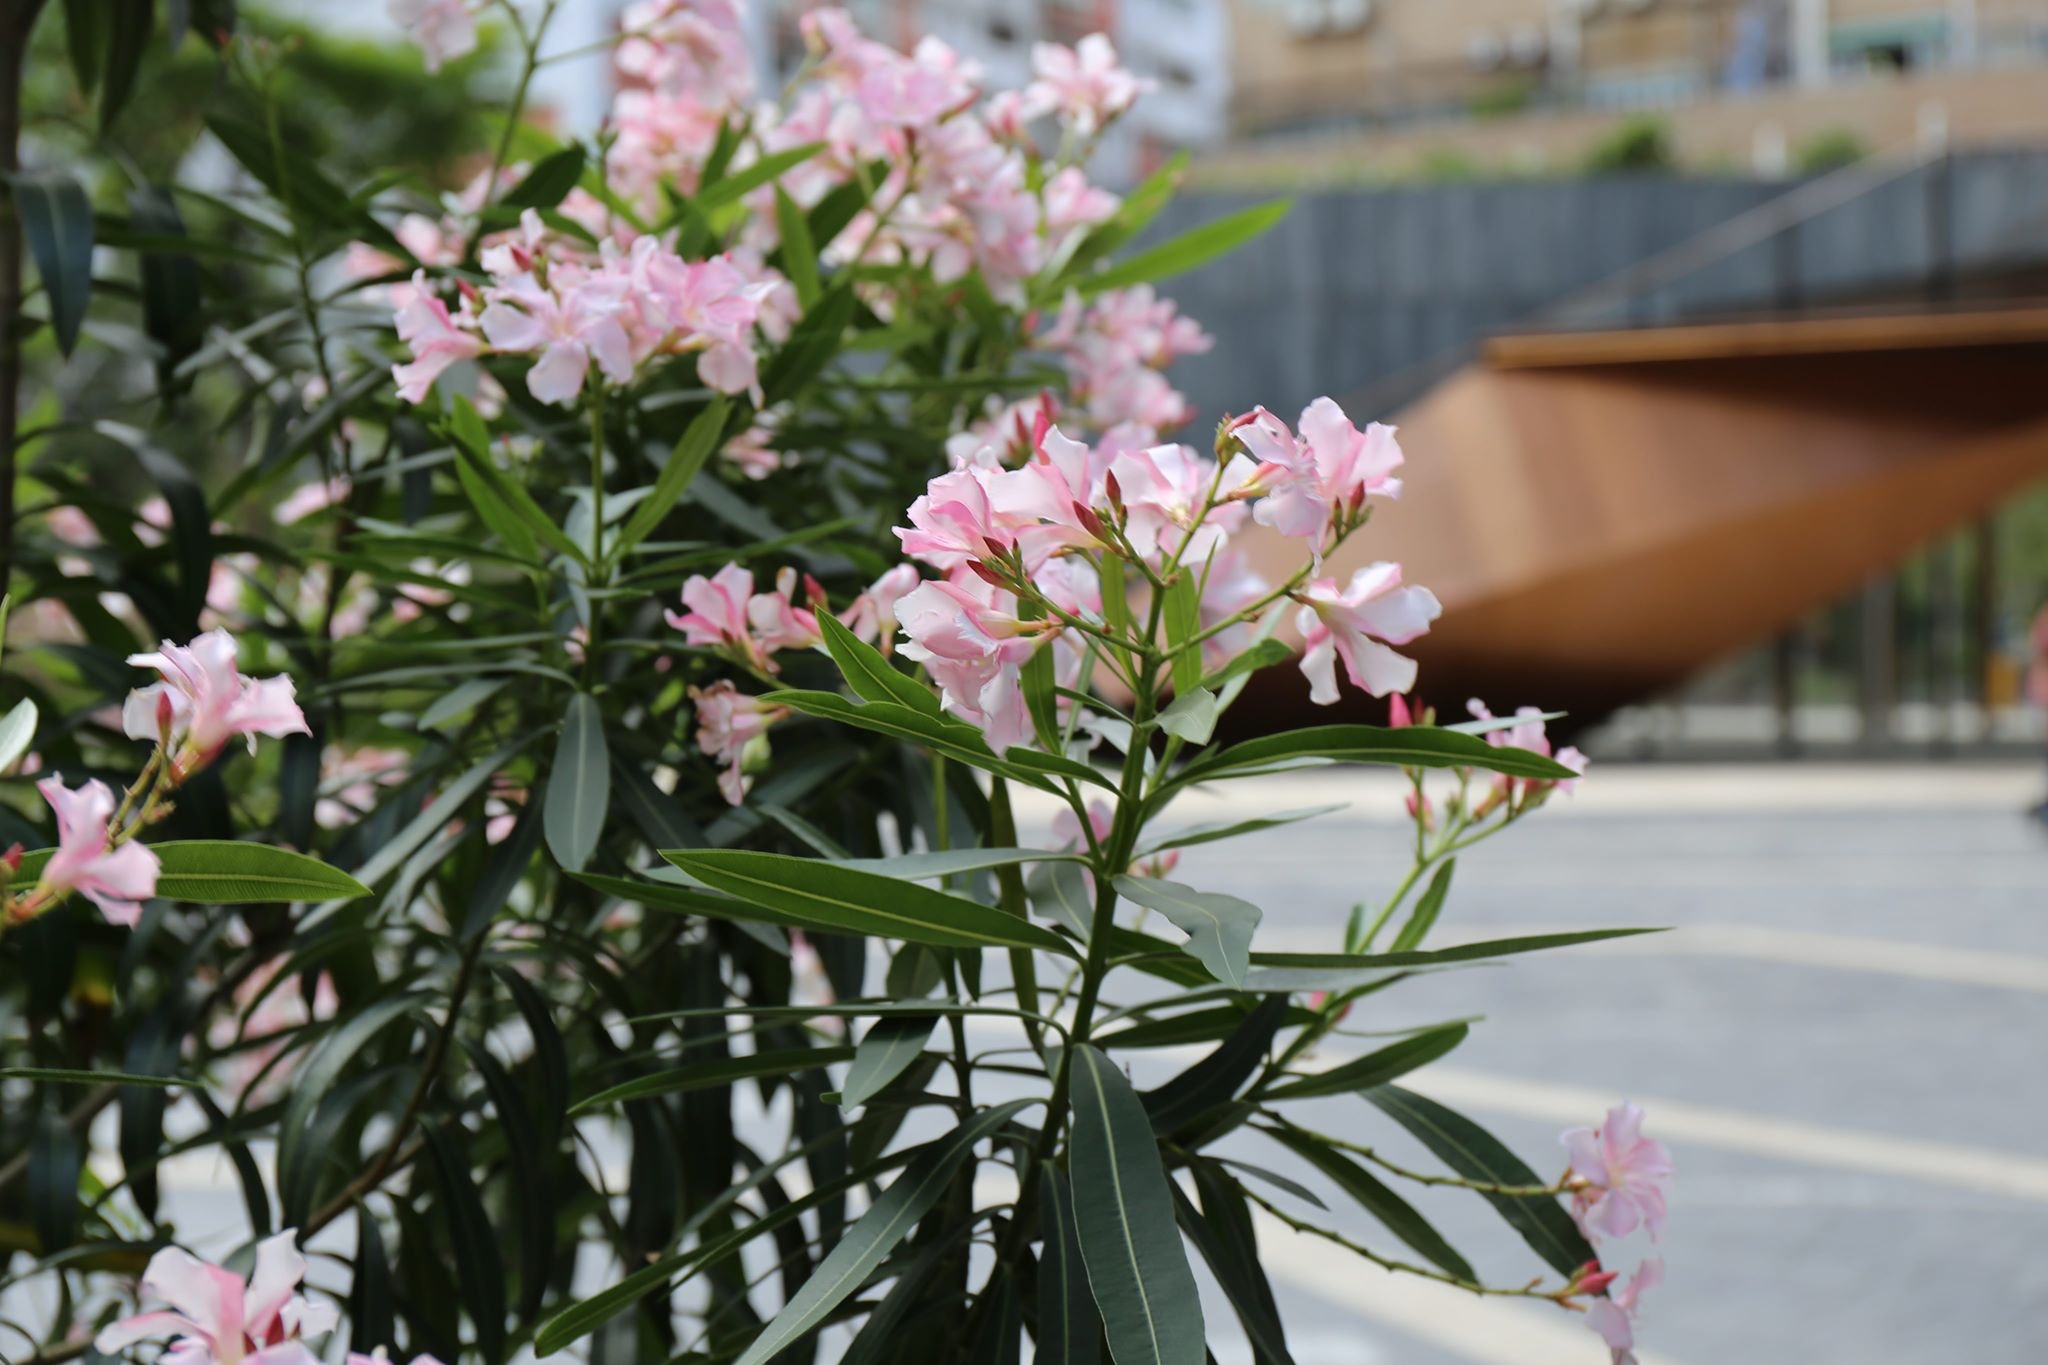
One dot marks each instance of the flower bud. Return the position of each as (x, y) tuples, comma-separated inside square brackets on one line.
[(1114, 491), (986, 574)]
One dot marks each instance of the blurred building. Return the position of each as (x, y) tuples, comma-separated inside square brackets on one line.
[(1531, 79), (1180, 45)]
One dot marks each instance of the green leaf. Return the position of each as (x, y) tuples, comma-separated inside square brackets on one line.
[(1134, 215), (232, 872), (693, 1075), (57, 1075), (868, 1242), (549, 182), (1426, 909), (890, 1045), (940, 734), (700, 441), (579, 787), (1189, 249), (498, 496), (1062, 893), (127, 37), (85, 39), (811, 346), (17, 732), (1192, 715), (505, 865), (868, 674), (1436, 957), (1414, 746), (1394, 1213), (1216, 1078), (392, 855), (1123, 1209), (951, 862), (1375, 1068), (1230, 829), (799, 252), (1222, 1231), (56, 220), (1262, 654), (730, 189), (1476, 1154), (478, 1267), (1219, 927), (56, 1159), (809, 893), (1183, 613), (1069, 1329)]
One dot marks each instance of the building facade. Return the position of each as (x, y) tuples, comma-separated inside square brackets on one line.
[(1309, 66)]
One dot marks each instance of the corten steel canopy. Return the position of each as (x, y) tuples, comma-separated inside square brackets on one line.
[(1604, 513)]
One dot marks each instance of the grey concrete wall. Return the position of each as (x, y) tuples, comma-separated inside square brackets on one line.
[(1357, 288)]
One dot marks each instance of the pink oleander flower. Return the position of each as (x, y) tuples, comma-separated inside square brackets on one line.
[(1072, 202), (1165, 487), (718, 614), (753, 453), (953, 522), (116, 879), (1084, 85), (1619, 1177), (214, 1319), (709, 307), (1012, 430), (1356, 623), (728, 723), (437, 338), (697, 47), (1528, 733), (444, 29), (777, 623), (308, 498), (1332, 466), (872, 615), (569, 328), (967, 635), (659, 138), (203, 701), (1613, 1316)]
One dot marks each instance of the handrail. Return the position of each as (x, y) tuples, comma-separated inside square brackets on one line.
[(1751, 228)]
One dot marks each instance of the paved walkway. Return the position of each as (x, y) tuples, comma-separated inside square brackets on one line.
[(1844, 1042)]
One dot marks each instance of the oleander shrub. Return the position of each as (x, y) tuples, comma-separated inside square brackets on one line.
[(523, 669)]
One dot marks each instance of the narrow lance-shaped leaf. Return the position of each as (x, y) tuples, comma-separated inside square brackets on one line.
[(889, 1046), (56, 220), (1219, 927), (1414, 746), (1476, 1154), (1423, 918), (478, 1267), (579, 788), (1137, 1268), (1375, 1068), (811, 893), (690, 1075), (231, 872), (1190, 249), (1394, 1213), (868, 674), (700, 440), (1069, 1329), (868, 1242)]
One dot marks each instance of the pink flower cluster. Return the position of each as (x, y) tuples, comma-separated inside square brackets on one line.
[(1619, 1182), (993, 531), (1527, 733), (216, 1319), (1113, 348), (618, 309), (723, 612), (201, 702)]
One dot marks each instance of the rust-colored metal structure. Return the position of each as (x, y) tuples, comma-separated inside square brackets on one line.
[(1604, 513)]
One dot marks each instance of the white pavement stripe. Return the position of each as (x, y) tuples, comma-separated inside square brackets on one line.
[(1484, 1331), (1843, 953), (1977, 1169), (1761, 943)]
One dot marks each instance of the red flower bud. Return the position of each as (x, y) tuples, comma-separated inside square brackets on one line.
[(814, 591), (1116, 494), (986, 574), (12, 857)]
